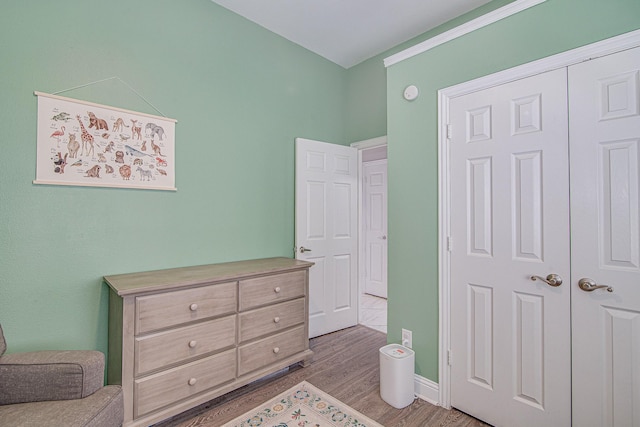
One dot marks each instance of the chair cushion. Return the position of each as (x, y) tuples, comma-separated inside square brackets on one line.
[(104, 408), (50, 375)]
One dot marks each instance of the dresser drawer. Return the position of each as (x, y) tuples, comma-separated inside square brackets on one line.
[(268, 320), (166, 348), (270, 349), (168, 309), (159, 390), (270, 289)]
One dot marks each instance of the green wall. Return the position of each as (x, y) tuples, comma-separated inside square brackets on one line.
[(366, 104), (552, 27), (366, 108), (240, 94)]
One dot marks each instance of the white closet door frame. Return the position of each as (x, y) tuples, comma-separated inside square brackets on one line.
[(561, 60)]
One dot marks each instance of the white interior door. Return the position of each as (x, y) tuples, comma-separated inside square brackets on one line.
[(604, 112), (510, 336), (326, 232), (375, 227)]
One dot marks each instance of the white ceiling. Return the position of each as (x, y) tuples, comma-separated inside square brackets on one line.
[(348, 32)]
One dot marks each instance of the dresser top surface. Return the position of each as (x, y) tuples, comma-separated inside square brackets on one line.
[(158, 280)]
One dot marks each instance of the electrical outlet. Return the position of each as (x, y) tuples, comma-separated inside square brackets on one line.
[(407, 339)]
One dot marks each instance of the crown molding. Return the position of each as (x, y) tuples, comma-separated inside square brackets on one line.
[(461, 30)]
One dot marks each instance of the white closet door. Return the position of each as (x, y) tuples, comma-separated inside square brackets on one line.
[(510, 336), (604, 118)]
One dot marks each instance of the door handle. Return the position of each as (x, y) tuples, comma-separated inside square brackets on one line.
[(303, 249), (551, 280), (383, 237), (589, 285)]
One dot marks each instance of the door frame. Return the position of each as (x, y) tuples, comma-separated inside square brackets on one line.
[(366, 144), (561, 60)]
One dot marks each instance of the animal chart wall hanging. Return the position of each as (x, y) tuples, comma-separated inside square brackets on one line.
[(81, 143)]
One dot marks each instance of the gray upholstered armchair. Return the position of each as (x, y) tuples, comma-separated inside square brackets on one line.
[(57, 388)]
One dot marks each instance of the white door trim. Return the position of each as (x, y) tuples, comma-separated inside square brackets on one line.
[(565, 59), (370, 143), (366, 144)]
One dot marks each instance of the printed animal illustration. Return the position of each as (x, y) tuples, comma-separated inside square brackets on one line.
[(161, 162), (125, 172), (119, 125), (151, 129), (135, 130), (137, 162), (98, 123), (59, 162), (62, 116), (77, 163), (58, 134), (87, 138), (156, 149), (109, 147), (108, 168), (133, 152), (144, 146), (94, 172), (124, 137), (162, 171), (144, 174), (73, 146), (102, 158), (119, 156), (105, 135)]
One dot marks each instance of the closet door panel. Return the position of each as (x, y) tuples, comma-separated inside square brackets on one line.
[(510, 336), (604, 108)]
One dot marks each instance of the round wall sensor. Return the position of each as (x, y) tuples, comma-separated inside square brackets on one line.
[(410, 93)]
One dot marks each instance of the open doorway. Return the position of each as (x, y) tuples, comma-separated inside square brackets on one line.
[(372, 176)]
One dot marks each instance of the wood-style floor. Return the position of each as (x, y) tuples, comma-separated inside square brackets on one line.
[(346, 366)]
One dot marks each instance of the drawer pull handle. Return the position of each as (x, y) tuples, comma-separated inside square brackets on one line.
[(192, 381), (276, 319), (193, 307), (192, 343), (276, 350), (277, 290)]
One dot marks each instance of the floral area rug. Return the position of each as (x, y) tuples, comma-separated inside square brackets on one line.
[(303, 406)]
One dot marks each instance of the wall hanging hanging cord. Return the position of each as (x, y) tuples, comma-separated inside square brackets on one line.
[(113, 78)]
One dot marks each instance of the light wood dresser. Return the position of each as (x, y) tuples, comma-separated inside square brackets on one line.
[(181, 337)]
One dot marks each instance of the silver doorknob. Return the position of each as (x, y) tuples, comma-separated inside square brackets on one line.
[(551, 280), (303, 249), (589, 285)]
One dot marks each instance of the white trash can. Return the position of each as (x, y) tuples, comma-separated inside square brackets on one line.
[(396, 375)]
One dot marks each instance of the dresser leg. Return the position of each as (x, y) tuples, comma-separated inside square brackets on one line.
[(306, 361)]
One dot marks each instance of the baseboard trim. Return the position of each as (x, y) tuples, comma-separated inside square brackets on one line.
[(426, 389)]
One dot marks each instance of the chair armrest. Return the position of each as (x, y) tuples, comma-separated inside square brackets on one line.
[(50, 375)]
